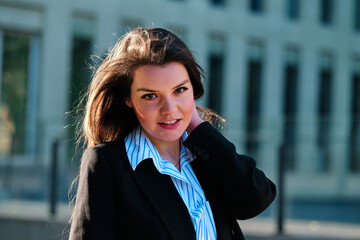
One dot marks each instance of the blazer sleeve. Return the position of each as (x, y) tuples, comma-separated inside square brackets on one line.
[(246, 189), (94, 213)]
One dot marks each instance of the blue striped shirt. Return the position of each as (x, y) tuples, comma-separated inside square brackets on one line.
[(139, 147)]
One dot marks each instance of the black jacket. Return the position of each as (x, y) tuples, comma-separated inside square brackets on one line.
[(115, 202)]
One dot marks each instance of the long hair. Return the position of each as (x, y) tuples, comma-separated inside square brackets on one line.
[(107, 117)]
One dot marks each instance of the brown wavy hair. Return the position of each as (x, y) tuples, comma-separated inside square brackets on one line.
[(107, 117)]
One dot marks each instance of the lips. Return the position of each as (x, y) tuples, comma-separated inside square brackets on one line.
[(170, 124)]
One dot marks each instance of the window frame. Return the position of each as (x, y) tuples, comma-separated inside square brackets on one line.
[(28, 156)]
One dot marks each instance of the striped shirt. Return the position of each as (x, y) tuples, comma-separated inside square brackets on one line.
[(139, 147)]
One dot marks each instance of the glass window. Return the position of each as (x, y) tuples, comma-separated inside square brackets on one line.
[(357, 15), (256, 6), (293, 9), (218, 2), (355, 124), (216, 71), (216, 63), (80, 75), (291, 70), (13, 93), (253, 104), (254, 79), (324, 110), (326, 11)]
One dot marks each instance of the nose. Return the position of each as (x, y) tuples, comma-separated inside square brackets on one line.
[(168, 106)]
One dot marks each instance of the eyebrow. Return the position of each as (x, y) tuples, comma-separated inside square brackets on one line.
[(150, 90)]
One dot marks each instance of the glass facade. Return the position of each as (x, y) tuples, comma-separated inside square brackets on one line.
[(256, 6), (216, 73), (326, 11), (216, 64), (253, 99), (14, 93), (324, 112), (293, 9), (266, 74), (218, 2), (81, 71), (354, 136), (356, 15), (20, 171), (290, 95)]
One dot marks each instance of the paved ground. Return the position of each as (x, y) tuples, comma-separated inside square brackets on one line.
[(266, 229), (32, 221)]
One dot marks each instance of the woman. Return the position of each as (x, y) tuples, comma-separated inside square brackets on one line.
[(154, 169)]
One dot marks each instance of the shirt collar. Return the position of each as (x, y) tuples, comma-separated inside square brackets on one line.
[(139, 147)]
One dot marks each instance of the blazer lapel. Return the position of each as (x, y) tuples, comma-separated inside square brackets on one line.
[(165, 199)]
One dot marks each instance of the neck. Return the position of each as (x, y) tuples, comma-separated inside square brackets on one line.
[(169, 151)]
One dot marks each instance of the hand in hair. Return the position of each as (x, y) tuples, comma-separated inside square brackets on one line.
[(195, 121)]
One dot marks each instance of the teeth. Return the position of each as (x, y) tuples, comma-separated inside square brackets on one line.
[(170, 122)]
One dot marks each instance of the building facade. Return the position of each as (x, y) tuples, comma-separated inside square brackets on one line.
[(285, 74)]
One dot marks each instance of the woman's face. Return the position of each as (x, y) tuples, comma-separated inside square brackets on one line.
[(163, 100)]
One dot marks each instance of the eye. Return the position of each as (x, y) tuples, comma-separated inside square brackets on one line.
[(149, 96), (180, 90)]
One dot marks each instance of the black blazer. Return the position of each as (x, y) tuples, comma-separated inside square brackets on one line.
[(115, 202)]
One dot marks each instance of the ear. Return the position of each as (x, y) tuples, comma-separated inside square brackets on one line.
[(128, 102)]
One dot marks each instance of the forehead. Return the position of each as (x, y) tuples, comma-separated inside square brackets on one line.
[(160, 75)]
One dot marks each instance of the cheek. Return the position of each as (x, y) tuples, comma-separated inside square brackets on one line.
[(138, 109), (143, 112), (188, 106)]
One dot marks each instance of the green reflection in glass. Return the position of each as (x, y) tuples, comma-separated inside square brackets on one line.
[(13, 93), (80, 78)]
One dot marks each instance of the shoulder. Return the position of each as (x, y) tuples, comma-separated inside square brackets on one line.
[(204, 132), (105, 154)]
